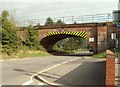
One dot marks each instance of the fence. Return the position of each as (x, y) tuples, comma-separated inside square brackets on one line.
[(71, 19)]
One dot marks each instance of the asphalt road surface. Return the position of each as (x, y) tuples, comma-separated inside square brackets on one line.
[(90, 73), (17, 72)]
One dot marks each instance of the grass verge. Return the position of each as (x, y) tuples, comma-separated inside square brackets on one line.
[(100, 55), (33, 54), (25, 54)]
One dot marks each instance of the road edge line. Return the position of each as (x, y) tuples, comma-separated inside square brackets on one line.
[(30, 81)]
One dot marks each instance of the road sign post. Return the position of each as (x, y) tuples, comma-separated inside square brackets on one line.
[(116, 19)]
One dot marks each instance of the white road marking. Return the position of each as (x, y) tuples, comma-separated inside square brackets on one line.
[(47, 82), (41, 84), (74, 59), (54, 66), (30, 81), (2, 60), (63, 62)]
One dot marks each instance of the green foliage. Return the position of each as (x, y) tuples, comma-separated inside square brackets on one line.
[(33, 54), (100, 55), (11, 42), (49, 22), (75, 22), (59, 22), (0, 35), (32, 40), (71, 44), (115, 50), (10, 38)]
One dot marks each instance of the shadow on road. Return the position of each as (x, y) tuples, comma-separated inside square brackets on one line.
[(60, 53), (25, 72), (90, 74)]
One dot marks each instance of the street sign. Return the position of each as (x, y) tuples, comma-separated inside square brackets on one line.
[(113, 36), (118, 25), (91, 39), (116, 16)]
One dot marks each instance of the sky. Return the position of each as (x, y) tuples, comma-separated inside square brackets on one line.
[(41, 9)]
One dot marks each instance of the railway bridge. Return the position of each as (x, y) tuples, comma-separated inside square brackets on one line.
[(98, 35)]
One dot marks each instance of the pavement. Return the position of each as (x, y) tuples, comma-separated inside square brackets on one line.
[(78, 73)]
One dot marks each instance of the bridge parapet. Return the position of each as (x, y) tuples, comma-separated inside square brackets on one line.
[(70, 25)]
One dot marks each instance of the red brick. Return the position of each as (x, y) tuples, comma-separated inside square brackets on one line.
[(110, 68)]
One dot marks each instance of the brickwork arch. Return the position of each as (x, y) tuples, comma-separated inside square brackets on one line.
[(49, 41)]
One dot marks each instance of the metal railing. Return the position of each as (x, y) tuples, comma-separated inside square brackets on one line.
[(71, 19)]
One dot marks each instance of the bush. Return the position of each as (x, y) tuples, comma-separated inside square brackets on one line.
[(10, 39)]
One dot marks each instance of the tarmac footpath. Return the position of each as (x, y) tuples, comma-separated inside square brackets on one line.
[(84, 72)]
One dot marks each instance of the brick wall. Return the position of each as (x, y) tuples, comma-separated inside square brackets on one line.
[(110, 69), (102, 38)]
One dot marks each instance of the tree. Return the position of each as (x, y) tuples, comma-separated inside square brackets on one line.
[(10, 38), (0, 38), (0, 21), (49, 22), (59, 22), (70, 44), (32, 40), (0, 30), (75, 22)]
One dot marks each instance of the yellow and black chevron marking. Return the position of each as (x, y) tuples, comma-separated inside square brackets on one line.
[(82, 34)]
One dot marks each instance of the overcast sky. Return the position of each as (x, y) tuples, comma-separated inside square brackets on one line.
[(40, 9)]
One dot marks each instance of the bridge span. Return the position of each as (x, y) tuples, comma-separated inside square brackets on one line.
[(99, 32)]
